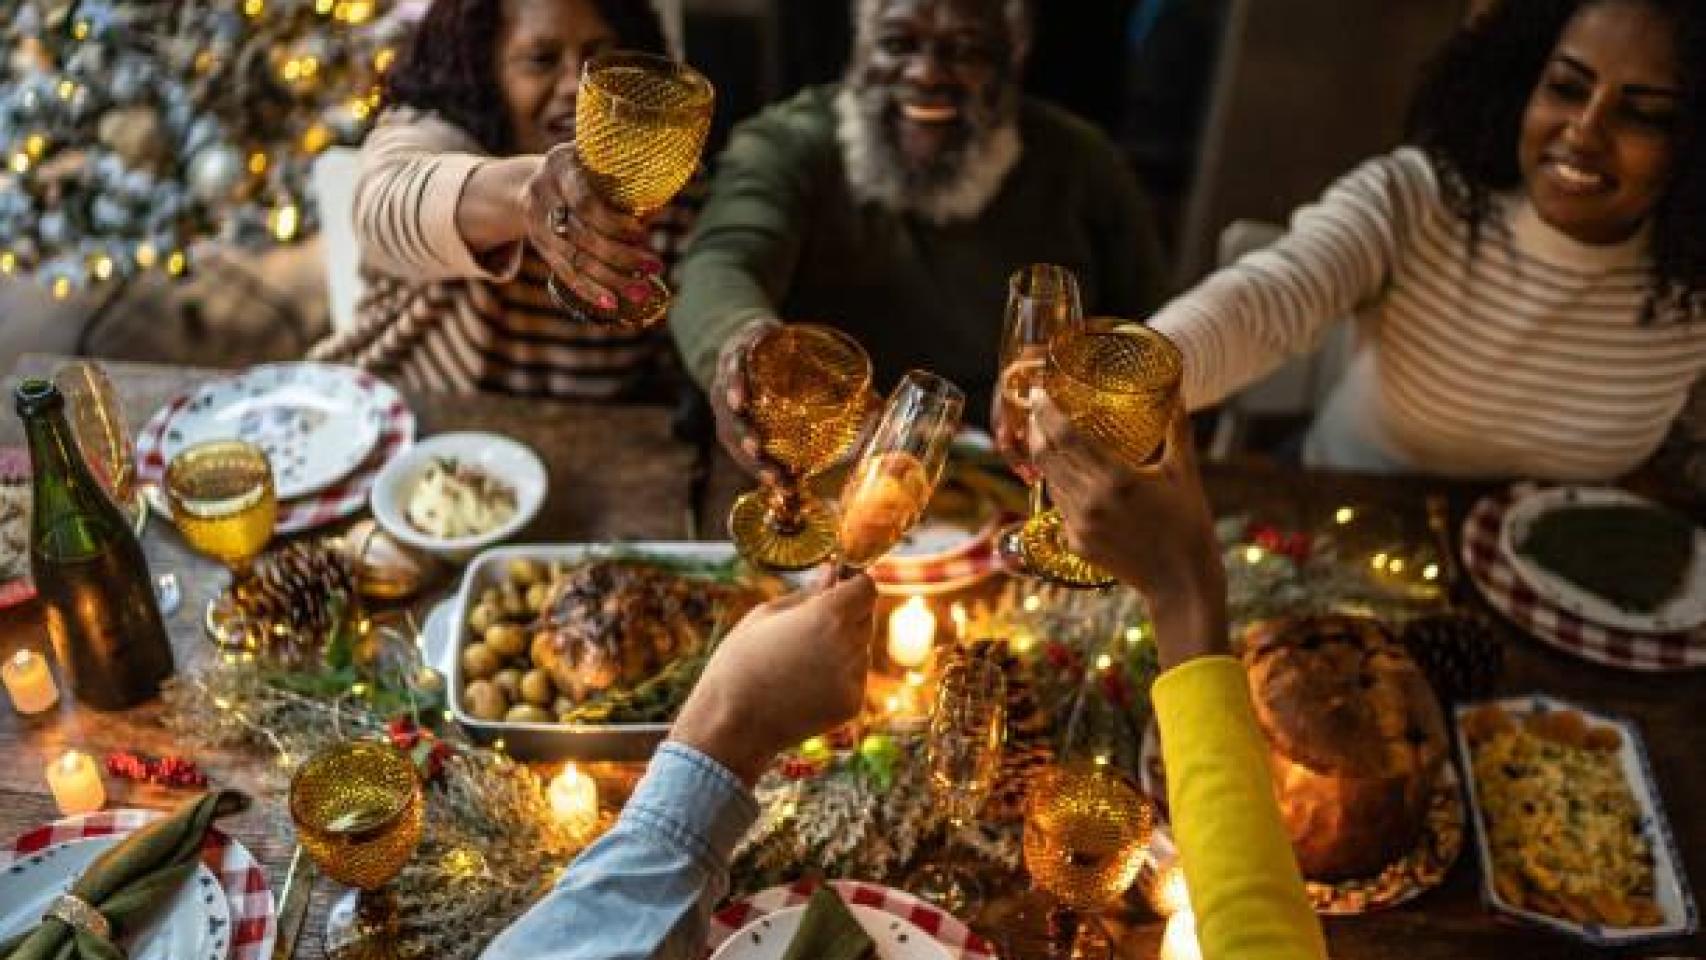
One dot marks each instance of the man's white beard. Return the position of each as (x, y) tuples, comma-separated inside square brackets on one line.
[(877, 172)]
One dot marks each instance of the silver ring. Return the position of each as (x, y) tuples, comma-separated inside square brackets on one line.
[(76, 913), (558, 219)]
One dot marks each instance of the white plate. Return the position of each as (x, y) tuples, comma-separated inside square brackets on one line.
[(316, 422), (500, 457), (1674, 898), (767, 937), (195, 925), (1682, 613)]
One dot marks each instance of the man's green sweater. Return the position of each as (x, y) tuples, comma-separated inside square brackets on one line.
[(783, 236)]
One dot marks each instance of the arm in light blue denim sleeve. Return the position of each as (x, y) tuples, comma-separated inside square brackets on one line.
[(645, 890)]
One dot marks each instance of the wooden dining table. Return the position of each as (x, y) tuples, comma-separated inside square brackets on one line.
[(618, 472)]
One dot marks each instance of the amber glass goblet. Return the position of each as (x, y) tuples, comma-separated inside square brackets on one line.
[(1118, 383), (806, 390), (1086, 833), (1042, 300), (224, 503), (359, 812), (640, 126), (898, 468)]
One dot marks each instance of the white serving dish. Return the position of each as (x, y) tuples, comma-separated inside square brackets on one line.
[(1682, 613), (447, 634), (504, 459), (1674, 897), (768, 937)]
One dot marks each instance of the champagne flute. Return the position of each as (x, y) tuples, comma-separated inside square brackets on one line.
[(1086, 833), (359, 813), (1042, 299), (806, 387), (640, 126), (963, 758), (223, 501), (899, 467), (1118, 383)]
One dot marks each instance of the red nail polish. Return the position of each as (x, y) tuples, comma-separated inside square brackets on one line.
[(606, 301), (655, 267), (639, 293)]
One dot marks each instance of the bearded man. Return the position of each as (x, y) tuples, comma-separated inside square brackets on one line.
[(895, 206)]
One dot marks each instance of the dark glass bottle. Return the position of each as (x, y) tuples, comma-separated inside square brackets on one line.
[(88, 568)]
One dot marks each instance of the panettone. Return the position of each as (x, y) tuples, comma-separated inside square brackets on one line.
[(1356, 738)]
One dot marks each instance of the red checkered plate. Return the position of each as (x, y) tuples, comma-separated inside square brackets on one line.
[(955, 937), (249, 902), (342, 499), (1489, 565)]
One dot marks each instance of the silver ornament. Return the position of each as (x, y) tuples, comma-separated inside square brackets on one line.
[(216, 172)]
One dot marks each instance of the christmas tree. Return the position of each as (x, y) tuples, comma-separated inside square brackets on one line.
[(133, 130)]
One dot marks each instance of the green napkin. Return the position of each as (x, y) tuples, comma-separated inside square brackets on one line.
[(829, 932), (127, 883)]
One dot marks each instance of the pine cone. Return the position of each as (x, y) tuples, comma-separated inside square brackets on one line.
[(295, 598), (1460, 654)]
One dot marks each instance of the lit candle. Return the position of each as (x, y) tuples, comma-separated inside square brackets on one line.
[(912, 632), (1168, 895), (1180, 941), (29, 682), (76, 784), (574, 800)]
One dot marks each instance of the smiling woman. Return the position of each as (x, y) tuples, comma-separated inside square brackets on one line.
[(472, 196), (1528, 279)]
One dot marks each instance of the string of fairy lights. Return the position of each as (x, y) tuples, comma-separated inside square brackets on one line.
[(132, 131)]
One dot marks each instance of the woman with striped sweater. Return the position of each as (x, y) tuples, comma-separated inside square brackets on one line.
[(1528, 280), (471, 195)]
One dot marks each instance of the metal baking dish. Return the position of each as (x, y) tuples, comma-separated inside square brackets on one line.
[(447, 633)]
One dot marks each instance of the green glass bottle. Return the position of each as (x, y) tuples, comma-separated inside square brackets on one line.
[(88, 568)]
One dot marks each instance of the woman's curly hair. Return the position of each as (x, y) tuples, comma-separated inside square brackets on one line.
[(450, 67), (1467, 115)]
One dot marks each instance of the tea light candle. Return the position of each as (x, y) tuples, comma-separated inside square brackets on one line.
[(76, 784), (1180, 940), (912, 633), (574, 800), (29, 682)]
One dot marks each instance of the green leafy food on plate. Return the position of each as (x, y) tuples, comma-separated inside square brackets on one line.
[(1634, 557)]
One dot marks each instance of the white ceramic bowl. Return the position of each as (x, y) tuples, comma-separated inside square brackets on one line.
[(504, 459)]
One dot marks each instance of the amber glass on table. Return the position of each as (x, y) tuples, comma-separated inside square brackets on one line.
[(806, 402), (640, 127), (359, 814), (899, 466), (968, 726), (1085, 838), (223, 500), (1117, 382), (1042, 300)]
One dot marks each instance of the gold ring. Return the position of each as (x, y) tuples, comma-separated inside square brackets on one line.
[(76, 913)]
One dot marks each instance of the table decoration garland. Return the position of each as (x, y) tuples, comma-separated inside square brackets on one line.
[(492, 846)]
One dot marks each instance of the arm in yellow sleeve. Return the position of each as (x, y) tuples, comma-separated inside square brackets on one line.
[(1244, 883)]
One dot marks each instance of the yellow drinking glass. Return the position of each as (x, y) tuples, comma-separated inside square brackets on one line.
[(640, 127), (807, 388), (359, 813), (223, 501), (1118, 383), (1086, 835)]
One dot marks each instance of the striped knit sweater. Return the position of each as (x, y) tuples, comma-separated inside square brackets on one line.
[(438, 318), (1524, 355)]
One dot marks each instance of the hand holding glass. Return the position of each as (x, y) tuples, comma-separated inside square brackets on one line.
[(806, 390), (640, 126)]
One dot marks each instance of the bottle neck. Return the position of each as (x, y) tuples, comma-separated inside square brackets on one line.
[(62, 484)]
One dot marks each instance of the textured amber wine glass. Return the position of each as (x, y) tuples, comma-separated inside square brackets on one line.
[(359, 812), (806, 389), (968, 726), (1118, 383), (640, 127), (899, 467), (1042, 300), (223, 501), (1086, 833)]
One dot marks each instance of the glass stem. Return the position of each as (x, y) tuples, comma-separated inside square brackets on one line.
[(786, 502), (1039, 497)]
